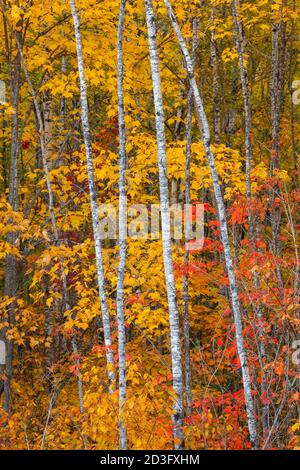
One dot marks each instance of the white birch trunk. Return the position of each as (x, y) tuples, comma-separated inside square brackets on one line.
[(185, 287), (216, 89), (241, 50), (203, 123), (166, 230), (11, 265), (276, 79), (122, 234), (93, 198)]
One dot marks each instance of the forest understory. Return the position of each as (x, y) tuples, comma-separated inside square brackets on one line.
[(149, 225)]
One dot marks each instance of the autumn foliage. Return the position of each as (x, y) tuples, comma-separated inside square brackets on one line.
[(49, 300)]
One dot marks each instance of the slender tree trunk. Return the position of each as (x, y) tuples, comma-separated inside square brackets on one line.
[(291, 79), (93, 198), (166, 230), (45, 135), (122, 234), (289, 216), (47, 120), (185, 287), (203, 124), (274, 95), (11, 267), (216, 90), (79, 380), (277, 84), (241, 50)]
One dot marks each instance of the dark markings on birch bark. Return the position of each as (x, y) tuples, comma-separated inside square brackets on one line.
[(204, 127), (240, 44), (185, 286), (11, 265), (216, 90), (166, 230), (122, 234), (291, 79), (93, 199), (277, 86)]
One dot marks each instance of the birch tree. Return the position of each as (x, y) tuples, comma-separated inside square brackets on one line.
[(277, 87), (185, 287), (241, 50), (166, 228), (43, 128), (11, 268), (206, 137), (216, 88), (93, 198), (122, 232)]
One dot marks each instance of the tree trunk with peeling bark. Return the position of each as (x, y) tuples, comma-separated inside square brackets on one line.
[(204, 127), (166, 230), (122, 234), (93, 199), (216, 89), (277, 85), (11, 266), (241, 51), (185, 286)]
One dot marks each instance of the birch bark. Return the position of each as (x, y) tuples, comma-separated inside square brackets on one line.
[(277, 82), (185, 287), (216, 89), (241, 50), (11, 265), (93, 198), (203, 124), (291, 78), (166, 229), (122, 233)]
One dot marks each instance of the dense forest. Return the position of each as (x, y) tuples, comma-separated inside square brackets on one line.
[(149, 226)]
